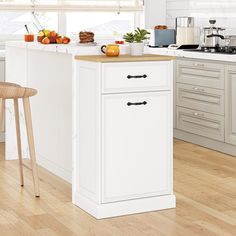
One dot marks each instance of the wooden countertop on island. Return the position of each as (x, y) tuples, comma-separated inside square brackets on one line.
[(124, 58)]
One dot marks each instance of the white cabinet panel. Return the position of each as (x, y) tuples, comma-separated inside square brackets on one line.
[(136, 137), (136, 76), (230, 92)]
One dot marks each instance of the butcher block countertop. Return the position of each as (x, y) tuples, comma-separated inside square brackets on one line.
[(124, 58)]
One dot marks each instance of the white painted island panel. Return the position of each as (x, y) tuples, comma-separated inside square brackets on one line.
[(123, 141)]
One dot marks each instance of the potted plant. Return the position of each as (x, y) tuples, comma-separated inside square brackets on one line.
[(136, 41)]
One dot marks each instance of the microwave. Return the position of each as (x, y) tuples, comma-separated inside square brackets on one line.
[(162, 37)]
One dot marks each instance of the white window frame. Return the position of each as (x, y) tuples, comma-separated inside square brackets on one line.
[(62, 8)]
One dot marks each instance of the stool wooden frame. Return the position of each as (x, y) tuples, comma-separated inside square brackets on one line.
[(16, 92)]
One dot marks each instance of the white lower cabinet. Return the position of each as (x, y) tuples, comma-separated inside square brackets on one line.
[(123, 145), (230, 105), (136, 139)]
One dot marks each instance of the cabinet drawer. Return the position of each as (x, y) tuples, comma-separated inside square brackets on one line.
[(136, 150), (200, 123), (200, 98), (200, 73), (136, 76)]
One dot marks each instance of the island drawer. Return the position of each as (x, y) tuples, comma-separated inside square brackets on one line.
[(200, 98), (200, 73), (200, 123), (136, 76)]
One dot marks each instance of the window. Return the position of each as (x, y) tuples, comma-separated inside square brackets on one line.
[(104, 17)]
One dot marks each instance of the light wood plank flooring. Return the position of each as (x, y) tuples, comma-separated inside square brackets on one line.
[(204, 183), (2, 151)]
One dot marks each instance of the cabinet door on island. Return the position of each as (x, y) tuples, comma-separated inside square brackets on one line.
[(136, 137)]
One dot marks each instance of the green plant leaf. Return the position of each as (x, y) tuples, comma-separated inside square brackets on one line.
[(138, 36)]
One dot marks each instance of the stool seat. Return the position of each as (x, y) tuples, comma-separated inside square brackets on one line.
[(16, 92), (11, 91)]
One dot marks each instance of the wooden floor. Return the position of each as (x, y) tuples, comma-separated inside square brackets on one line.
[(2, 151), (204, 184)]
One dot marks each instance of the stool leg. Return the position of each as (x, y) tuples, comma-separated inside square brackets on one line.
[(2, 112), (18, 138), (28, 121)]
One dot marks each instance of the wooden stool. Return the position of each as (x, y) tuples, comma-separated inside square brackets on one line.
[(15, 92)]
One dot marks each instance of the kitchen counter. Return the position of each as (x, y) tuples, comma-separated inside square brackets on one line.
[(190, 54), (124, 58), (74, 49), (71, 48)]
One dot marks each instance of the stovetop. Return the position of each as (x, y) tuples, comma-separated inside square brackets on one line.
[(223, 50)]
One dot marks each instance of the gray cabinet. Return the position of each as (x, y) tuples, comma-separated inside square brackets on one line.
[(201, 98), (200, 73), (201, 123), (205, 103), (230, 119), (200, 102)]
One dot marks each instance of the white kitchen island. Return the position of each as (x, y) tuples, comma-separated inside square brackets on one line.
[(123, 146), (49, 69), (58, 132)]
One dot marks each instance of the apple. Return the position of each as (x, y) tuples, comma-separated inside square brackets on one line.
[(52, 34), (65, 40), (46, 40), (59, 40)]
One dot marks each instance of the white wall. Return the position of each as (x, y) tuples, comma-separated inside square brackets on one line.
[(155, 13), (224, 11)]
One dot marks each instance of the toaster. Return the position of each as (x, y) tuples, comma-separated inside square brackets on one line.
[(162, 37)]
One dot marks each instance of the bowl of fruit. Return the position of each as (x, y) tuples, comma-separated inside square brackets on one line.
[(51, 37)]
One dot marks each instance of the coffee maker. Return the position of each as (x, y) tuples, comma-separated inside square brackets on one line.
[(184, 30)]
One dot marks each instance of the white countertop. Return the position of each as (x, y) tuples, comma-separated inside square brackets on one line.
[(74, 49), (71, 48), (195, 55)]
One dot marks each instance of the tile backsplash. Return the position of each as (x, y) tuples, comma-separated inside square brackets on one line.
[(223, 11)]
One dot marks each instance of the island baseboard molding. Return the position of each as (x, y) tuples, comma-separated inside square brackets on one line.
[(101, 211)]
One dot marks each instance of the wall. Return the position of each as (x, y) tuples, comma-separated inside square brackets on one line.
[(155, 13), (224, 11)]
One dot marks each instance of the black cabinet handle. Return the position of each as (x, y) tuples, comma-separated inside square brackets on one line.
[(136, 103), (136, 76)]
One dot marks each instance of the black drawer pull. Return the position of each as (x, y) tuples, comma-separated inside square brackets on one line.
[(136, 103), (136, 76)]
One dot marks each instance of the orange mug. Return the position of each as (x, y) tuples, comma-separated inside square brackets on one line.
[(111, 50), (29, 37)]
